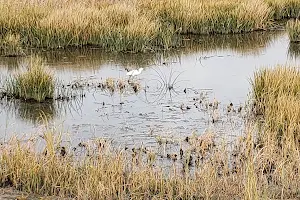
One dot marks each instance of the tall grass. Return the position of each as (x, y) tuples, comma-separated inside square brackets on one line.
[(49, 168), (276, 94), (34, 83), (132, 25), (293, 28), (205, 17), (119, 26)]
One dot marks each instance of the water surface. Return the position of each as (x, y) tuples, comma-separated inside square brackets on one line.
[(206, 68)]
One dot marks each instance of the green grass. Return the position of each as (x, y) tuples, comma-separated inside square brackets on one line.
[(34, 83)]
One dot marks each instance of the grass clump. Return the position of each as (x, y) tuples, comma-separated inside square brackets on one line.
[(276, 94), (293, 28), (35, 83), (12, 45)]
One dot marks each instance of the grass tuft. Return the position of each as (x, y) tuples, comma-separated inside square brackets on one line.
[(34, 83), (276, 94)]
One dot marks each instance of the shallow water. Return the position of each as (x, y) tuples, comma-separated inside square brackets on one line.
[(207, 68)]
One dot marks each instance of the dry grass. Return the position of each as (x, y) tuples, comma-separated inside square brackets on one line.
[(132, 25), (276, 94), (293, 28), (119, 26), (220, 16), (49, 168), (35, 83)]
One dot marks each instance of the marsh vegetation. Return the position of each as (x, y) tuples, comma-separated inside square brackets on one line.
[(34, 82), (130, 25), (185, 142)]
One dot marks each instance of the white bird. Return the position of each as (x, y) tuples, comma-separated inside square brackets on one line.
[(134, 72)]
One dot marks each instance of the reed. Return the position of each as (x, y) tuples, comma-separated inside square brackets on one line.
[(34, 83)]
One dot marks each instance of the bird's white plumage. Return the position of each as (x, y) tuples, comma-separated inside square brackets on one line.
[(134, 72)]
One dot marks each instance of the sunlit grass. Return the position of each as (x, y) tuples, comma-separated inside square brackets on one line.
[(35, 82), (220, 16), (48, 167), (130, 25), (276, 94)]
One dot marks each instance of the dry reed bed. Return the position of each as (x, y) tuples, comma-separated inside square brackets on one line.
[(131, 25)]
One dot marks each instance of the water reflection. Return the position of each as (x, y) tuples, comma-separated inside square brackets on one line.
[(294, 50), (40, 113), (93, 58), (35, 113), (245, 43)]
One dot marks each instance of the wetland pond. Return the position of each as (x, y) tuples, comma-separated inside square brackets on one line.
[(171, 99)]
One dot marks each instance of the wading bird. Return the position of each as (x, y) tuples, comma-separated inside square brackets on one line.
[(134, 72)]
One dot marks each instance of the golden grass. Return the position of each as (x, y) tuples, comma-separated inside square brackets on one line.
[(117, 26), (220, 16), (35, 83), (293, 28), (276, 94), (132, 25), (49, 168)]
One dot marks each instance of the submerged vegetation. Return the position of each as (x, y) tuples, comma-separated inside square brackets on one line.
[(36, 82), (130, 25)]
